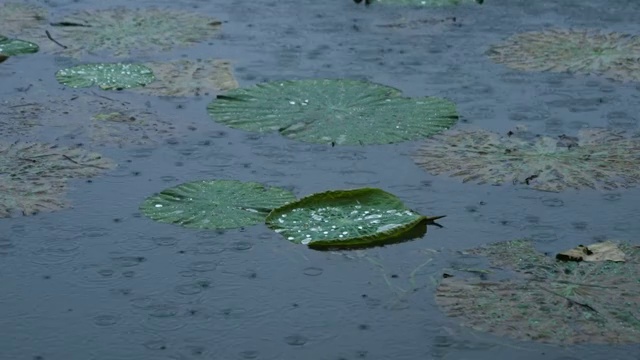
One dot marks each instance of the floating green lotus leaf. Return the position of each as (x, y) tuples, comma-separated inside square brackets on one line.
[(613, 55), (428, 3), (215, 204), (124, 32), (33, 176), (16, 17), (107, 76), (347, 219), (190, 78), (596, 158), (345, 112), (11, 47), (548, 300)]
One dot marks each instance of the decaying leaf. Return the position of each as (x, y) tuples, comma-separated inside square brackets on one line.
[(18, 18), (610, 54), (123, 31), (33, 175), (538, 298), (95, 119), (604, 251), (190, 78), (596, 159)]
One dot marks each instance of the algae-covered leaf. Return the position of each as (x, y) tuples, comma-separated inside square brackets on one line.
[(107, 76), (33, 175), (604, 251), (12, 47), (610, 54), (345, 112), (542, 299), (124, 31), (596, 158), (190, 78), (215, 204), (347, 219), (428, 3)]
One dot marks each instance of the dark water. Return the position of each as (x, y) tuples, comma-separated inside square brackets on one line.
[(99, 281)]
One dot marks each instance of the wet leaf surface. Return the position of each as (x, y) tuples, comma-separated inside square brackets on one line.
[(115, 76), (338, 112), (347, 219), (215, 204)]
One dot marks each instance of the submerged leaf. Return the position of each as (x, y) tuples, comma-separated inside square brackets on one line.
[(107, 76), (123, 31), (215, 204), (345, 112), (190, 78), (347, 219), (11, 47), (548, 300), (17, 17), (594, 159), (428, 3), (33, 176), (613, 55)]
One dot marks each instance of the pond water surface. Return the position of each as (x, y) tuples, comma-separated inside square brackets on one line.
[(100, 281)]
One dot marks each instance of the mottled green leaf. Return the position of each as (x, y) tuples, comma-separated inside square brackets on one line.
[(107, 76), (536, 297), (215, 204), (610, 54), (11, 47), (347, 219), (596, 158), (345, 112)]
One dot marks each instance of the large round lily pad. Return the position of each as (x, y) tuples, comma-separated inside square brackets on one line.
[(215, 204), (107, 76), (11, 47), (596, 158), (33, 176), (530, 296), (347, 219), (124, 31), (190, 78), (345, 112), (610, 54)]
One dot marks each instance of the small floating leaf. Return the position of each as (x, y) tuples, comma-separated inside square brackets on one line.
[(596, 158), (107, 76), (610, 54), (347, 219), (541, 299), (11, 47), (215, 204), (345, 112)]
